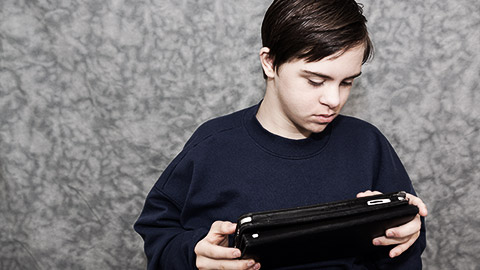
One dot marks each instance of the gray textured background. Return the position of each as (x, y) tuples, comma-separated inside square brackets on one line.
[(96, 97)]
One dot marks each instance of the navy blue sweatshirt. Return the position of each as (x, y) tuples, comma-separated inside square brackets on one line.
[(231, 165)]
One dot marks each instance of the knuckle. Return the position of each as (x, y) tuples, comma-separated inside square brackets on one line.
[(224, 226), (209, 252), (203, 249), (216, 224), (418, 226), (245, 265), (200, 263), (242, 265), (415, 236), (198, 247), (219, 226)]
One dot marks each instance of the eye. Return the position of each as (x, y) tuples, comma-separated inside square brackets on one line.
[(315, 83), (346, 83)]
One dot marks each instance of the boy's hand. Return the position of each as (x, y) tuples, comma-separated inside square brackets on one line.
[(403, 236), (213, 251)]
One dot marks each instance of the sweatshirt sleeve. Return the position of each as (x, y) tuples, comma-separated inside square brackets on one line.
[(167, 244), (393, 177)]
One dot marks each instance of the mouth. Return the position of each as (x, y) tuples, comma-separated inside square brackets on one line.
[(324, 118)]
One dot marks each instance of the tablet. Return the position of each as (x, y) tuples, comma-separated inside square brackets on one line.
[(321, 232)]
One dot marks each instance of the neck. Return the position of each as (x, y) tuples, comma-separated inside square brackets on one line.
[(272, 118)]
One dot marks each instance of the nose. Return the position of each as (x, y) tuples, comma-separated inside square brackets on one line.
[(330, 96)]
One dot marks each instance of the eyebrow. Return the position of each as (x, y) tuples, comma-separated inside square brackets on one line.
[(328, 77)]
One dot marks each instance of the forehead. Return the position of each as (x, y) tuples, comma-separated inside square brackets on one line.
[(342, 64)]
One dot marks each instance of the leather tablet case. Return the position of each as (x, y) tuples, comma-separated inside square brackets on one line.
[(319, 232)]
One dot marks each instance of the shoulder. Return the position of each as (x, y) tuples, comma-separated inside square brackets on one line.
[(217, 127), (355, 125), (206, 140), (358, 132)]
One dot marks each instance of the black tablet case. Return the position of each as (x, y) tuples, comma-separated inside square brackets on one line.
[(319, 232)]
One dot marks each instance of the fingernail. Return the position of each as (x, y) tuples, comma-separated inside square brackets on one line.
[(390, 234), (237, 253), (257, 266), (376, 242), (393, 254), (250, 263)]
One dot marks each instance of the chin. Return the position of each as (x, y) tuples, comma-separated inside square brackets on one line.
[(317, 128)]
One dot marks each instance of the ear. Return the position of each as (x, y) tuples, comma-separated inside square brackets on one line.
[(267, 62)]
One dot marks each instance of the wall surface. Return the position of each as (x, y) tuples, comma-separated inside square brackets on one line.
[(96, 98)]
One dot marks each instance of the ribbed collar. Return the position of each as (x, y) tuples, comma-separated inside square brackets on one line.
[(283, 147)]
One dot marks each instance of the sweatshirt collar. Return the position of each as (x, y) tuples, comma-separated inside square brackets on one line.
[(284, 147)]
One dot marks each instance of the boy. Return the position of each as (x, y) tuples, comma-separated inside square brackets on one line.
[(292, 149)]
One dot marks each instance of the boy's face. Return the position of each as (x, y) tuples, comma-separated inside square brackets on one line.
[(305, 97)]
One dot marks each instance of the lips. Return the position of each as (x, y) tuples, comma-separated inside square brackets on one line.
[(325, 118)]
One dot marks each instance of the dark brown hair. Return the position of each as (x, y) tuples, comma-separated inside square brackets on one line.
[(313, 29)]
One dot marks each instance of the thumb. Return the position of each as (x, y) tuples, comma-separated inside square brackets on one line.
[(219, 231)]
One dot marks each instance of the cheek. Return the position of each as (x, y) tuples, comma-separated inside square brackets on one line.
[(344, 96), (292, 93), (300, 93), (300, 100), (297, 97)]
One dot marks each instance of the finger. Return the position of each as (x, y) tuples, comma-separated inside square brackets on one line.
[(223, 227), (219, 231), (396, 251), (385, 241), (423, 211), (368, 193), (207, 263), (406, 229), (400, 234), (256, 266), (206, 249)]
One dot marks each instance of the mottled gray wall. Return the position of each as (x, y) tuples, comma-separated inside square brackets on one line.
[(96, 97)]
